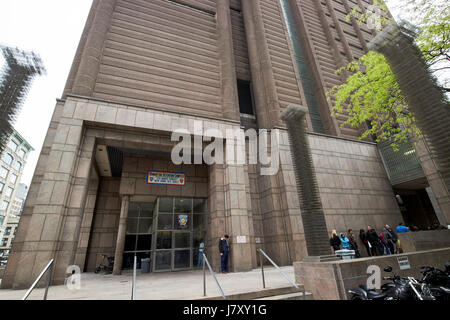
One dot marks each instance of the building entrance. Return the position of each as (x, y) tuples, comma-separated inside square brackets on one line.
[(169, 232)]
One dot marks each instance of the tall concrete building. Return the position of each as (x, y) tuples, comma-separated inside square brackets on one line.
[(12, 192), (105, 182)]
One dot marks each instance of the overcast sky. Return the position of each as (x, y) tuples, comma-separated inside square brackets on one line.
[(51, 28)]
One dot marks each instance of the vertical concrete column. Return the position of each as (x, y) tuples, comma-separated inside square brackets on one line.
[(118, 256), (439, 194), (89, 64), (238, 219), (86, 223), (78, 166), (260, 64), (216, 210), (15, 256), (52, 228), (259, 93), (80, 49), (315, 228), (230, 103)]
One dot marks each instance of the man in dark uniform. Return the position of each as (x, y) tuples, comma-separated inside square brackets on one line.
[(224, 249)]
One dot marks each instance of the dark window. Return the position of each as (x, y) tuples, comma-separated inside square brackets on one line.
[(245, 97)]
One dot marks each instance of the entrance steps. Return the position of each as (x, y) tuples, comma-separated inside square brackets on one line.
[(283, 293)]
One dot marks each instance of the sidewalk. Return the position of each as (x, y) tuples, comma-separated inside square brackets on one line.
[(181, 285)]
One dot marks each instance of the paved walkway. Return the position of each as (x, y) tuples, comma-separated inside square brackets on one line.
[(159, 286)]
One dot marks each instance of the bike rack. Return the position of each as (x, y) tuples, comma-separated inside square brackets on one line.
[(47, 284), (261, 254)]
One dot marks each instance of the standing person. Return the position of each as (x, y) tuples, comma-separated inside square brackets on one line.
[(402, 229), (344, 241), (224, 249), (394, 238), (201, 248), (363, 237), (374, 241), (334, 241), (353, 244), (384, 241)]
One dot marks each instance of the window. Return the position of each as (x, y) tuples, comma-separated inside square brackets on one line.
[(4, 205), (7, 231), (4, 242), (2, 185), (8, 159), (9, 192), (245, 97), (3, 172), (13, 178), (22, 153), (12, 145), (1, 219), (18, 166)]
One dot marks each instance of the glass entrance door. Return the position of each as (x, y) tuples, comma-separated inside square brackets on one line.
[(139, 234), (180, 225)]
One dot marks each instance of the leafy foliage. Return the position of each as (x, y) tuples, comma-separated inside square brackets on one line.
[(370, 94)]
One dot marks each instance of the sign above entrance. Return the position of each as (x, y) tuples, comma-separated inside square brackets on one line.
[(166, 178)]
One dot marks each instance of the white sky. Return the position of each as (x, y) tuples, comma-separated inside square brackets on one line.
[(51, 28)]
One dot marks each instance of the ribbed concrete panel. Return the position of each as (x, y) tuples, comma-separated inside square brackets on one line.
[(334, 42), (161, 54)]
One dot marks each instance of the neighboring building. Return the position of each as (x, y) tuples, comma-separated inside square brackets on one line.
[(12, 192), (147, 67)]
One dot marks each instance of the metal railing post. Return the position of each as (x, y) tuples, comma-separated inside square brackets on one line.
[(276, 266), (262, 269), (204, 277), (47, 283), (214, 276), (133, 288)]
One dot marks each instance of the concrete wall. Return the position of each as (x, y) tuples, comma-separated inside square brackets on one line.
[(332, 280), (424, 240)]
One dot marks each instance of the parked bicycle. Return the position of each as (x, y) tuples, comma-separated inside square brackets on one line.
[(106, 265)]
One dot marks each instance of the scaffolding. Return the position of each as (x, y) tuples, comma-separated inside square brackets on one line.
[(16, 76)]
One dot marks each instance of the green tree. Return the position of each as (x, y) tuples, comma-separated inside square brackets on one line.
[(370, 95)]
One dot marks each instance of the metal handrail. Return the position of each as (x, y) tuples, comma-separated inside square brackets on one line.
[(261, 253), (47, 284), (206, 262), (133, 285)]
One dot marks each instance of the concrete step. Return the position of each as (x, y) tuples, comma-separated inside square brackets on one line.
[(263, 293), (289, 296)]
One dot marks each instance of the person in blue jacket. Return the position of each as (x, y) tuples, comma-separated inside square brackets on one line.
[(344, 241), (402, 229)]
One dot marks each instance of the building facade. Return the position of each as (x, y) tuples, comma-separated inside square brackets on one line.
[(12, 192), (145, 68)]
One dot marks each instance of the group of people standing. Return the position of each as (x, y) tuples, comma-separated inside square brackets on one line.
[(377, 244)]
